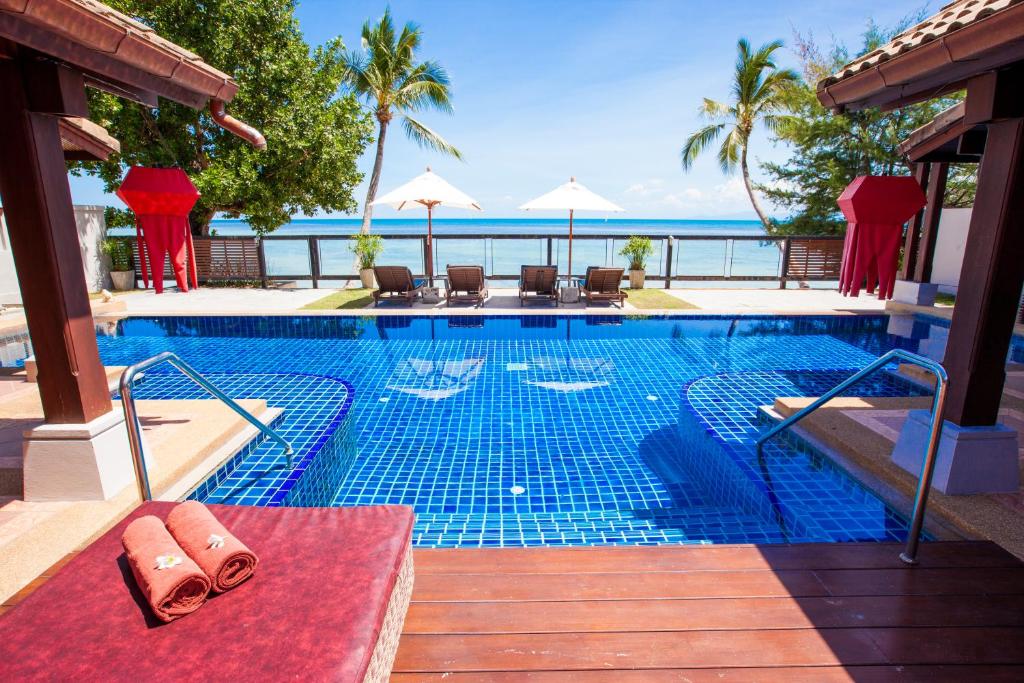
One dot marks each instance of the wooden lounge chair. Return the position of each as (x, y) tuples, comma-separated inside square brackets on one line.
[(466, 284), (603, 284), (395, 283), (538, 283)]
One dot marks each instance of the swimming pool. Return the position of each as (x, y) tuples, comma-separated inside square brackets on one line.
[(537, 429)]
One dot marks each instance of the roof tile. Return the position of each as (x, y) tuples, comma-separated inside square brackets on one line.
[(950, 18)]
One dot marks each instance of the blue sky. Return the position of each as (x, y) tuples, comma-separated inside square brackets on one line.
[(606, 91)]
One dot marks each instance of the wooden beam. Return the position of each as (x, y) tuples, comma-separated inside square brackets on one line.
[(53, 88), (913, 236), (994, 96), (930, 222), (990, 282), (44, 241)]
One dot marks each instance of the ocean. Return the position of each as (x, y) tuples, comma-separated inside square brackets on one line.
[(711, 257)]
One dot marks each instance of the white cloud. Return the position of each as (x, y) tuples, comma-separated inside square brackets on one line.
[(647, 188)]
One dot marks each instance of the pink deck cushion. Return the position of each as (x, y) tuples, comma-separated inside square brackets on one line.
[(311, 612)]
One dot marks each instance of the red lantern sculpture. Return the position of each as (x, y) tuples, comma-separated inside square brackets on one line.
[(161, 199), (876, 208)]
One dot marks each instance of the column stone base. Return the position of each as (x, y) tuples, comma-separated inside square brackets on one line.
[(916, 293), (78, 461), (969, 460)]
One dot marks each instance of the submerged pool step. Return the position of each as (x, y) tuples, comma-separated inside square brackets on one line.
[(697, 525)]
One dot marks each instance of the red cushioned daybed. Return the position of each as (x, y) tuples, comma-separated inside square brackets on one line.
[(327, 603)]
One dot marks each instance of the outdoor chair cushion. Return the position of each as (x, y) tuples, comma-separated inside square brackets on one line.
[(313, 610)]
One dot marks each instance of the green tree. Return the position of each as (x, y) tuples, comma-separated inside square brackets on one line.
[(758, 90), (830, 150), (287, 91), (386, 73)]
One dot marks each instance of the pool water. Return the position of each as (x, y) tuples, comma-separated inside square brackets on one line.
[(537, 430)]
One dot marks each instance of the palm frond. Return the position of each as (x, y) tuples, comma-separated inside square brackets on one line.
[(427, 138), (729, 152), (698, 142)]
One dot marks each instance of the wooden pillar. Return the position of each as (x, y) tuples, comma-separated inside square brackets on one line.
[(913, 236), (990, 281), (936, 196), (45, 244)]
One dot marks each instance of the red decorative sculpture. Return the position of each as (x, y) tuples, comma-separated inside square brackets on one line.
[(876, 208), (161, 199)]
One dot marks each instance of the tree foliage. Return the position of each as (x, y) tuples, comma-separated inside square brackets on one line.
[(287, 91), (830, 150), (758, 96)]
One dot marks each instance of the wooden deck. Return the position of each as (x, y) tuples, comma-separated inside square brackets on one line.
[(722, 613)]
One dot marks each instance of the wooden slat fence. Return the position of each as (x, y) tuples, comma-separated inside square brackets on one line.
[(218, 258), (814, 259)]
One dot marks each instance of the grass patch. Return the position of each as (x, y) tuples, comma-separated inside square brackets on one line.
[(656, 298), (945, 299), (343, 298)]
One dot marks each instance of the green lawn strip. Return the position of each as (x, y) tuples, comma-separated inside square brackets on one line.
[(945, 299), (656, 298), (343, 298)]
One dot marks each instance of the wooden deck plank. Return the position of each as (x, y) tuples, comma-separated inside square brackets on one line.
[(724, 557), (922, 581), (831, 674), (680, 649), (713, 614), (637, 585)]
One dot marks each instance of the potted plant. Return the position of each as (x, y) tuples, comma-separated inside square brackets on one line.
[(638, 249), (122, 270), (366, 248)]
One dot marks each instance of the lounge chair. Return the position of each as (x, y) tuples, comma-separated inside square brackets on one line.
[(466, 284), (603, 284), (538, 283), (328, 600), (396, 283)]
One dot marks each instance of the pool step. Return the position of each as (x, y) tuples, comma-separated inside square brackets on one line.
[(630, 527)]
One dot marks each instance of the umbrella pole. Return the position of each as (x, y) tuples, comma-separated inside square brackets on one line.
[(430, 245), (570, 248)]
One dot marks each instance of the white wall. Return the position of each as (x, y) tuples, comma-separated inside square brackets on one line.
[(91, 229), (949, 248)]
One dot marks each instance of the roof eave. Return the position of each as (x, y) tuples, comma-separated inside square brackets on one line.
[(933, 69)]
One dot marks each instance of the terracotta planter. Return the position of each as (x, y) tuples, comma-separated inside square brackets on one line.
[(123, 280), (366, 278), (636, 279)]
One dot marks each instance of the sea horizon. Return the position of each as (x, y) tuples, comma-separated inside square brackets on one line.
[(502, 226)]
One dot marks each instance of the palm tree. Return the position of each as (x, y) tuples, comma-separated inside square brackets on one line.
[(385, 72), (757, 96)]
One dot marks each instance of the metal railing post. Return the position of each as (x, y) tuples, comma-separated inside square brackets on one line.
[(314, 261), (551, 261), (131, 416), (669, 244), (909, 555), (262, 261), (784, 270)]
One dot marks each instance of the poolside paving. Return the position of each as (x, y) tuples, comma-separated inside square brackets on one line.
[(229, 301)]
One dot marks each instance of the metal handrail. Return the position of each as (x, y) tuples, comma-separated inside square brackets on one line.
[(924, 483), (131, 416)]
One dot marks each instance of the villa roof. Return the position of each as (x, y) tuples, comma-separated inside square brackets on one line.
[(932, 58), (114, 51), (946, 138), (83, 140)]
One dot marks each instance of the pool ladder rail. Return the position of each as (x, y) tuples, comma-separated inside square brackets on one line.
[(924, 483), (131, 416)]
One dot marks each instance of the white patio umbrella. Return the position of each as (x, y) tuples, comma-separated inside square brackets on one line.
[(574, 197), (429, 190)]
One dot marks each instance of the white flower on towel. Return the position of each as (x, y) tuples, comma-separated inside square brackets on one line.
[(215, 541), (168, 561)]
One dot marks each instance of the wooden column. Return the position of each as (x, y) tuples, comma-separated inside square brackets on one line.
[(936, 196), (913, 236), (990, 281), (44, 241)]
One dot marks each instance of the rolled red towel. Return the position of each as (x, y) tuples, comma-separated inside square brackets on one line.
[(171, 582), (225, 559)]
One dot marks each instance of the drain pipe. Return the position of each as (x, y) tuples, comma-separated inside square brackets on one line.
[(233, 125)]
